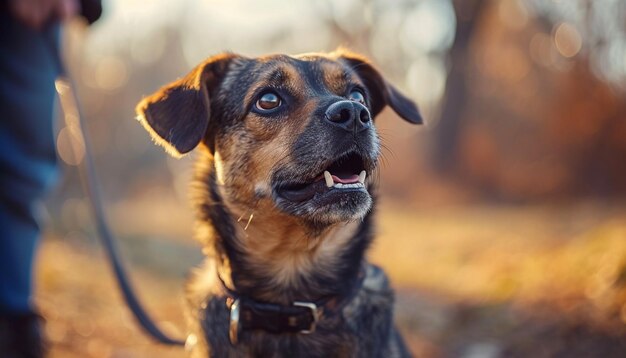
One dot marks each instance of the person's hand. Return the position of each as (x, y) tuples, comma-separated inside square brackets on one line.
[(38, 13)]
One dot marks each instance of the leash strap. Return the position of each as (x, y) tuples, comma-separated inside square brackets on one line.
[(73, 116)]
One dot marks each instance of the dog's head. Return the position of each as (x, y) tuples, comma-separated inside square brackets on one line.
[(293, 135)]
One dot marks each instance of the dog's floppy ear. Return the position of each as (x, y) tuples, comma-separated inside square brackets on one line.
[(381, 92), (177, 115)]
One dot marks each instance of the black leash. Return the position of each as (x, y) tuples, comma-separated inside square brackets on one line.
[(89, 180)]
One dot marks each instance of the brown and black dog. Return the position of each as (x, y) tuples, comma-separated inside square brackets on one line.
[(284, 192)]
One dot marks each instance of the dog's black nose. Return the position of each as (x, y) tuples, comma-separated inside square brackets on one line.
[(349, 115)]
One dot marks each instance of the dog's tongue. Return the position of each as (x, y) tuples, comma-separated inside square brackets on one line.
[(352, 179)]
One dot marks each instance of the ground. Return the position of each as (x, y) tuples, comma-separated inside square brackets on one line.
[(472, 281)]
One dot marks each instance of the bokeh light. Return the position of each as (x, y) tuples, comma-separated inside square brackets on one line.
[(426, 80), (428, 27), (110, 73), (567, 39), (540, 49), (147, 45), (513, 13), (70, 145)]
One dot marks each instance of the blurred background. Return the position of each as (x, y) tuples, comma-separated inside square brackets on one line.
[(502, 221)]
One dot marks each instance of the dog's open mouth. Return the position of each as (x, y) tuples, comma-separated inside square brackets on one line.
[(345, 174)]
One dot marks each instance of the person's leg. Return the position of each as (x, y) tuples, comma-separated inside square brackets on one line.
[(27, 162)]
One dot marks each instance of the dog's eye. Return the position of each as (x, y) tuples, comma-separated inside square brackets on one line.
[(268, 101), (357, 96)]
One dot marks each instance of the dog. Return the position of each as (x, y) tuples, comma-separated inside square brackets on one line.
[(284, 191)]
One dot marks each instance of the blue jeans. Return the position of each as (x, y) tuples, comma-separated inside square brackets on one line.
[(27, 154)]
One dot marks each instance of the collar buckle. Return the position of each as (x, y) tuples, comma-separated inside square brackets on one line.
[(315, 312), (233, 328)]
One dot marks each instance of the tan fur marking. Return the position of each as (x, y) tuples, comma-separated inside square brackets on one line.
[(334, 77), (285, 253), (219, 168)]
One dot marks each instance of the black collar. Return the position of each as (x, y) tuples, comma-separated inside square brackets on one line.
[(299, 317)]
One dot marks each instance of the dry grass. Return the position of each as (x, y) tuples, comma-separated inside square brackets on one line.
[(485, 274), (503, 253), (470, 279), (85, 314)]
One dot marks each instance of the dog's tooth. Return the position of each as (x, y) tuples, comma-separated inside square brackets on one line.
[(339, 185), (328, 178), (362, 177)]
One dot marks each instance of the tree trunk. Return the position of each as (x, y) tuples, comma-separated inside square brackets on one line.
[(455, 99)]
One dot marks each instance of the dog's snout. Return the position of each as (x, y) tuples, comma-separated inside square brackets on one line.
[(349, 115)]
